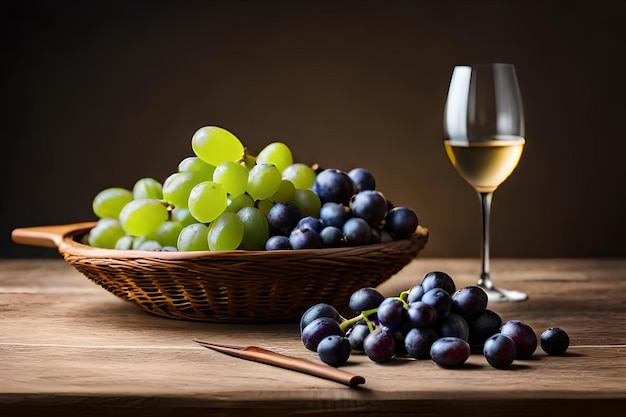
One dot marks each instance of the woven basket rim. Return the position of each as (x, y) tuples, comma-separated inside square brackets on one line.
[(71, 246)]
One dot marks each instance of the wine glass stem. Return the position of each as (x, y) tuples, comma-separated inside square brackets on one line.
[(485, 278)]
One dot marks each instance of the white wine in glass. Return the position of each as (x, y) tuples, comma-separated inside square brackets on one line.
[(484, 140)]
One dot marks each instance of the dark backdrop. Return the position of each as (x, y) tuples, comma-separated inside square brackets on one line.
[(98, 94)]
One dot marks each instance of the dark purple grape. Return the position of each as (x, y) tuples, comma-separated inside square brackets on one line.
[(357, 231), (453, 325), (380, 236), (305, 239), (283, 217), (384, 236), (418, 342), (415, 293), (440, 300), (380, 346), (334, 350), (438, 279), (523, 335), (366, 298), (420, 315), (357, 334), (334, 214), (318, 329), (469, 302), (363, 179), (398, 338), (310, 222), (317, 311), (449, 352), (390, 206), (277, 242), (554, 341), (332, 237), (392, 314), (375, 237), (334, 185), (483, 326), (401, 222), (499, 350), (370, 206)]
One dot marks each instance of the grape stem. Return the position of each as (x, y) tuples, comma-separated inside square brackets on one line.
[(403, 299), (345, 325), (243, 157)]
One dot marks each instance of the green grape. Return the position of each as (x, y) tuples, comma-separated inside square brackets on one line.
[(301, 175), (177, 187), (233, 177), (110, 201), (142, 217), (285, 192), (215, 145), (248, 161), (265, 205), (255, 228), (150, 245), (147, 188), (84, 239), (167, 233), (193, 238), (263, 181), (197, 165), (308, 202), (207, 201), (237, 202), (276, 153), (226, 232), (124, 243), (183, 216), (138, 241), (105, 233)]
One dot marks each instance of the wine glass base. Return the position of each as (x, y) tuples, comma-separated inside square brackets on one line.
[(500, 295)]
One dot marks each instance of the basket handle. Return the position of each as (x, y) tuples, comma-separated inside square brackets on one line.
[(46, 236)]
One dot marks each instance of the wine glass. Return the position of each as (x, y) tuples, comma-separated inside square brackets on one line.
[(484, 140)]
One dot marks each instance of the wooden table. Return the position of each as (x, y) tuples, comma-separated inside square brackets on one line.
[(68, 347)]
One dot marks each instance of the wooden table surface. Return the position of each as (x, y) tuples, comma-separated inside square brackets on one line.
[(68, 347)]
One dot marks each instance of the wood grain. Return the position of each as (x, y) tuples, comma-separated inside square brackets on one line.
[(68, 347)]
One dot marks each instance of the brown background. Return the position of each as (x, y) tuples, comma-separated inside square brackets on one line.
[(97, 94)]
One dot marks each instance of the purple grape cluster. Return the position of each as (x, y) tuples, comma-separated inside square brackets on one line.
[(352, 213), (432, 320)]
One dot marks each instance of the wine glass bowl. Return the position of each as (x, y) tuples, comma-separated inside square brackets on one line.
[(484, 140)]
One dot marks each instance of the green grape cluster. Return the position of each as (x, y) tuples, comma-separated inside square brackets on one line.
[(225, 198), (217, 199)]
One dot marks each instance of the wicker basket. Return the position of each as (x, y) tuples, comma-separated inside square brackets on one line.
[(229, 286)]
